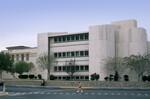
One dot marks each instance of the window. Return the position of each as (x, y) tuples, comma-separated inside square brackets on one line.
[(77, 68), (81, 67), (22, 57), (86, 77), (81, 53), (64, 54), (59, 68), (59, 54), (64, 39), (81, 37), (72, 37), (72, 54), (86, 37), (55, 68), (17, 57), (55, 39), (77, 53), (77, 37), (77, 77), (64, 68), (59, 39), (81, 77), (12, 57), (27, 57), (86, 67), (86, 53), (55, 55), (68, 54), (68, 38)]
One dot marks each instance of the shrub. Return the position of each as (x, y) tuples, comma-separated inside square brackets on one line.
[(111, 77), (106, 78), (126, 78), (31, 76), (52, 77), (39, 76), (94, 76), (148, 78)]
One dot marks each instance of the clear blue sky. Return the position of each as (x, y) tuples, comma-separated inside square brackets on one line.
[(21, 20)]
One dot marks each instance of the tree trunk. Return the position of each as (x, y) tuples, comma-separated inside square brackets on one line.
[(48, 74), (0, 74)]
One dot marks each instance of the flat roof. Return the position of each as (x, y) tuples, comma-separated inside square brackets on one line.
[(17, 47)]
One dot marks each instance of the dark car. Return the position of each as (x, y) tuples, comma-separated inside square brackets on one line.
[(1, 82)]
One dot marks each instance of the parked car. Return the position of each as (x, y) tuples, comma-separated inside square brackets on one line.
[(1, 82)]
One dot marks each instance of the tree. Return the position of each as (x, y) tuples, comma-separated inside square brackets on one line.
[(115, 65), (22, 66), (70, 68), (6, 63), (44, 64), (138, 63)]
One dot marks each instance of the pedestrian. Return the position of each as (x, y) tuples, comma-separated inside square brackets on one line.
[(80, 88), (43, 82)]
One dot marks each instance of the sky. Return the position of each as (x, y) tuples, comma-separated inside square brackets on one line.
[(22, 20)]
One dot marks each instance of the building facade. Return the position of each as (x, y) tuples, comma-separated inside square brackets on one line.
[(90, 49)]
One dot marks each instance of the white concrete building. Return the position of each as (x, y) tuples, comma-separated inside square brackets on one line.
[(89, 49)]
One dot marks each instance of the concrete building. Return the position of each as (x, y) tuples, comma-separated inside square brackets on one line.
[(89, 49)]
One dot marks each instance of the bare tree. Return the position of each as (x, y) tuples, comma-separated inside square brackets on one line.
[(44, 64), (70, 68), (115, 65), (138, 63)]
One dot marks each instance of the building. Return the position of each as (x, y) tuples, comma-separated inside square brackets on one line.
[(89, 49)]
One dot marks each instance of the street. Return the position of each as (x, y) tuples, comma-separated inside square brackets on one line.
[(59, 93)]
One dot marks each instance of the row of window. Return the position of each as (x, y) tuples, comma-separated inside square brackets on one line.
[(71, 54), (74, 77), (69, 38), (70, 68), (20, 57)]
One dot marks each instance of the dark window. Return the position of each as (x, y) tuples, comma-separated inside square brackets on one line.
[(77, 77), (55, 55), (81, 37), (59, 54), (87, 77), (64, 68), (81, 77), (17, 57), (22, 57), (77, 68), (59, 68), (81, 53), (64, 54), (59, 38), (55, 39), (55, 68), (27, 57), (86, 53), (77, 53), (77, 37), (68, 54), (72, 37), (72, 54), (12, 57), (86, 67), (64, 39), (81, 67), (59, 78), (68, 38), (86, 37)]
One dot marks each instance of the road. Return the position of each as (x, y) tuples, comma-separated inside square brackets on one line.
[(59, 93)]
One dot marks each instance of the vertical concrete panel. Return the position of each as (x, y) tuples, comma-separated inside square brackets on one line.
[(101, 46)]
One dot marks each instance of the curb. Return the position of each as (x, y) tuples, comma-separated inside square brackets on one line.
[(4, 94)]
